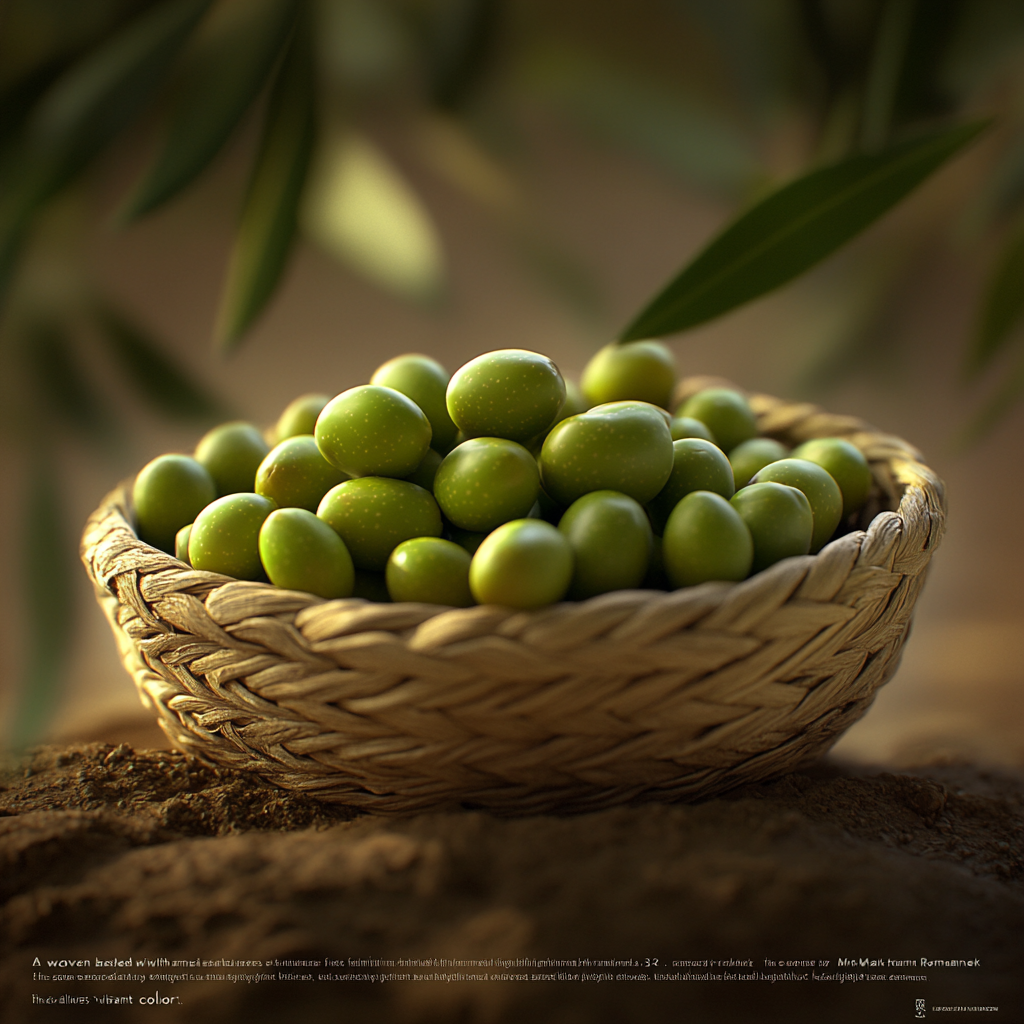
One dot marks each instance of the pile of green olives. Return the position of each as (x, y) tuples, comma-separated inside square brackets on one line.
[(501, 484)]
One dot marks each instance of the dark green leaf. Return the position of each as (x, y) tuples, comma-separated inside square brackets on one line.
[(86, 107), (62, 384), (462, 46), (155, 375), (46, 577), (219, 79), (99, 96), (793, 229), (270, 213), (1003, 308)]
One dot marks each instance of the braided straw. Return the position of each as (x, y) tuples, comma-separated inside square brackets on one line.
[(633, 694)]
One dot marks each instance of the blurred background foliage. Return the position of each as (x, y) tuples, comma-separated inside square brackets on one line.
[(729, 97)]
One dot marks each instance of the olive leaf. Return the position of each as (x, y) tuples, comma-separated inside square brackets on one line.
[(47, 560), (219, 79), (270, 212), (793, 229), (158, 378), (84, 109), (62, 383), (1003, 307), (361, 210)]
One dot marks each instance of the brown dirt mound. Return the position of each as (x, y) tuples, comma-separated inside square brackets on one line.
[(113, 853)]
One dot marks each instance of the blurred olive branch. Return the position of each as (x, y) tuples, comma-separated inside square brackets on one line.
[(881, 93)]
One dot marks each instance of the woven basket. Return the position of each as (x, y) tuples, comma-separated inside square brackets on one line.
[(630, 695)]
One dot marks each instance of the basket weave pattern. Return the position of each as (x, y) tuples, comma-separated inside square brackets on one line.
[(633, 694)]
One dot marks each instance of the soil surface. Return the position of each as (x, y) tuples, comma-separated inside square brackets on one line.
[(113, 853)]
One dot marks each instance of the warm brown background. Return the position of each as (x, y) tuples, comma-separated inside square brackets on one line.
[(959, 691)]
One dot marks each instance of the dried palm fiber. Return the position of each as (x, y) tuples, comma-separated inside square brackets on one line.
[(630, 695)]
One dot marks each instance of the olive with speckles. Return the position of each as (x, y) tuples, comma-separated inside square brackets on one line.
[(296, 475), (511, 393), (429, 569), (232, 452), (621, 446), (225, 536), (524, 564), (169, 492), (301, 552), (373, 431), (374, 514), (486, 481)]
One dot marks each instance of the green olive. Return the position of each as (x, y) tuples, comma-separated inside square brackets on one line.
[(486, 481), (232, 453), (510, 393), (725, 412), (641, 371), (754, 454), (296, 475), (845, 463), (181, 544), (431, 570), (779, 519), (425, 381), (610, 537), (697, 465), (299, 416), (820, 489), (524, 564), (706, 539), (169, 492), (374, 514), (225, 536), (622, 446), (301, 552), (686, 426), (373, 431)]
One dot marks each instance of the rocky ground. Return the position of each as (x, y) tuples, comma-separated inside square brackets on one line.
[(111, 853)]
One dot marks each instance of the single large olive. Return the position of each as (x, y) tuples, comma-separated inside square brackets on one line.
[(820, 489), (845, 463), (779, 519), (232, 453), (706, 539), (523, 564), (486, 481), (429, 569), (510, 393), (301, 552), (374, 514), (754, 454), (697, 465), (425, 381), (725, 412), (642, 371), (622, 446), (373, 431), (300, 416), (169, 492), (225, 536), (610, 537), (296, 475)]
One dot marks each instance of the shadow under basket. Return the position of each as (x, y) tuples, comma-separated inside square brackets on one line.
[(636, 694)]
